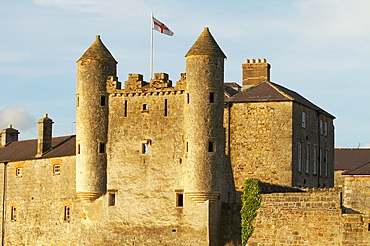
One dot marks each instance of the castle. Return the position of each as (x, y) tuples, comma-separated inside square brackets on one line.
[(157, 164)]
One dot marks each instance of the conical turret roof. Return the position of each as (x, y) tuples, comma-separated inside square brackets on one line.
[(97, 51), (205, 45)]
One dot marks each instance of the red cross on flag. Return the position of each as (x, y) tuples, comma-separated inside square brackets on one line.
[(161, 27)]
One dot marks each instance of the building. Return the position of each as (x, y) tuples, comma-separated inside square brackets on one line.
[(153, 163)]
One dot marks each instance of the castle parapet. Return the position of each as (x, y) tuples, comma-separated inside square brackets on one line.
[(134, 81), (160, 81)]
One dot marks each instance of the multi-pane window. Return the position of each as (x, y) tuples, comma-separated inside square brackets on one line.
[(19, 171), (299, 156), (314, 160), (304, 119), (56, 169), (321, 127), (320, 162), (326, 163), (326, 128), (308, 158), (67, 213)]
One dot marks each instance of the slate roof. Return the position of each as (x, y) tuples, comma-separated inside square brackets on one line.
[(348, 159), (26, 150), (205, 45), (97, 51), (361, 170), (267, 91)]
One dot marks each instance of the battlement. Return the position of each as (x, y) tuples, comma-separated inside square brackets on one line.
[(160, 81)]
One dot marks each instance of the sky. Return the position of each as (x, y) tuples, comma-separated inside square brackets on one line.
[(318, 48)]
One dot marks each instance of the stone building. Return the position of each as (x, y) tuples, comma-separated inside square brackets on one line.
[(157, 164)]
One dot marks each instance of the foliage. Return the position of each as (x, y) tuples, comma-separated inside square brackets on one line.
[(251, 200)]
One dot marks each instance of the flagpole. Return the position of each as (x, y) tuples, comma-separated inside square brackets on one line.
[(151, 47)]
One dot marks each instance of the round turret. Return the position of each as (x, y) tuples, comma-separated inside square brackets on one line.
[(204, 114), (93, 69)]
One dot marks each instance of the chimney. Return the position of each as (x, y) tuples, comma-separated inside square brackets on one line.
[(254, 72), (44, 135), (8, 135)]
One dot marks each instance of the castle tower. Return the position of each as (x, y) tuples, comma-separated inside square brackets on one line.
[(93, 69), (204, 128)]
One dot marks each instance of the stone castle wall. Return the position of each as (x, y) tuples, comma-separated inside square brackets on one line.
[(302, 218)]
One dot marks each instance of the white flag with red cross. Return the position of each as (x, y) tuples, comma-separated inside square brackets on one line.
[(161, 27)]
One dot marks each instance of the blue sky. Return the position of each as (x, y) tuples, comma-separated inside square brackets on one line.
[(321, 49)]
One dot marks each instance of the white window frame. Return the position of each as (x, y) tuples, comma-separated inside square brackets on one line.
[(56, 169), (19, 171)]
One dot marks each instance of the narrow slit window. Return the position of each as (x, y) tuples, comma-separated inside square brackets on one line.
[(102, 148), (67, 213), (165, 107), (13, 215), (188, 98), (125, 110), (78, 148), (112, 199), (145, 148), (187, 146), (179, 200), (211, 146), (78, 101), (145, 107), (211, 97), (103, 101)]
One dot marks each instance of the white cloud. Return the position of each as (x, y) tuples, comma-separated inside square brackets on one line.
[(17, 116)]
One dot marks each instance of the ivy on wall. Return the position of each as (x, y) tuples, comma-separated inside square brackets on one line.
[(251, 200)]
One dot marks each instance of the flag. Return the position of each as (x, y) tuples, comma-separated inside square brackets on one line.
[(161, 27)]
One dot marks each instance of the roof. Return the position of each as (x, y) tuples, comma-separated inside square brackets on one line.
[(361, 170), (26, 150), (205, 45), (229, 91), (348, 159), (97, 51), (267, 91)]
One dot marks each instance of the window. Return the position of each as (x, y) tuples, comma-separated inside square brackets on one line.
[(307, 158), (211, 146), (78, 148), (103, 101), (314, 160), (326, 161), (326, 128), (211, 97), (125, 109), (19, 171), (179, 199), (304, 119), (102, 148), (56, 169), (13, 214), (187, 146), (145, 148), (187, 98), (111, 199), (299, 156), (67, 213), (145, 107), (165, 107), (321, 127)]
